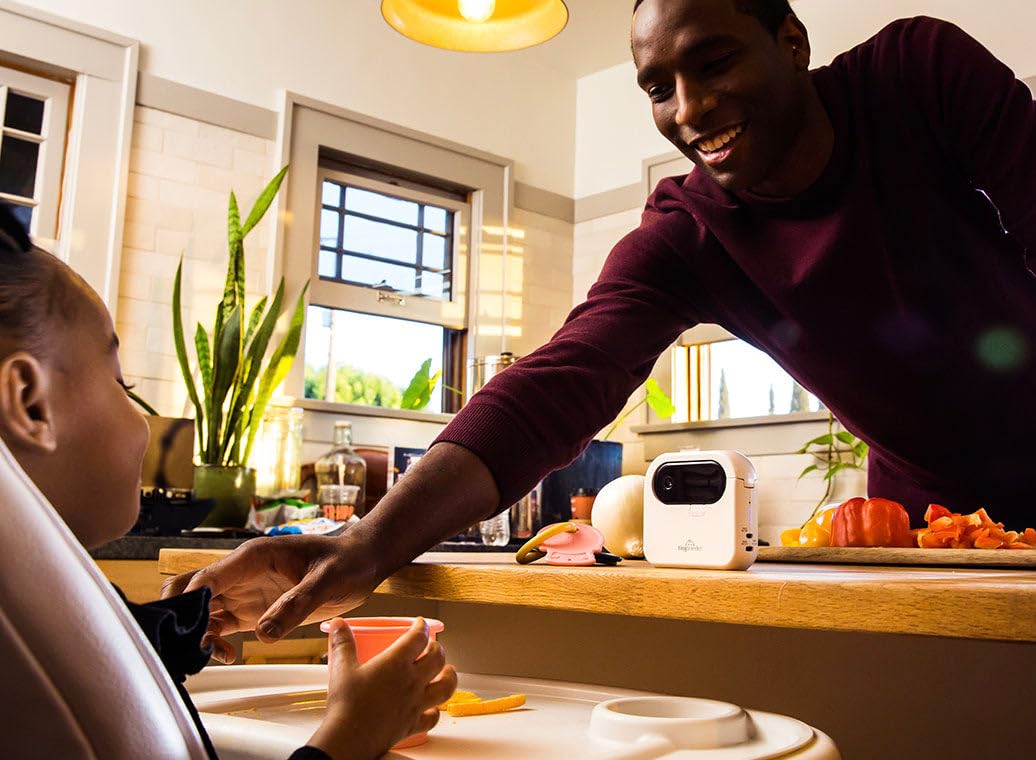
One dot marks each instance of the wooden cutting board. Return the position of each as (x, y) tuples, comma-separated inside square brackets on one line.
[(1018, 558)]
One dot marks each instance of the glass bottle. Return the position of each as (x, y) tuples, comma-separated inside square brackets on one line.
[(342, 466)]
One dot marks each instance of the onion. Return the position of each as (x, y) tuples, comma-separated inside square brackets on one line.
[(618, 513)]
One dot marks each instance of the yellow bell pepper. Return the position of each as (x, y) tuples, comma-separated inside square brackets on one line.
[(816, 531)]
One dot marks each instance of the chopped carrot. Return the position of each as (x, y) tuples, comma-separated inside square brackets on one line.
[(952, 530), (485, 707), (460, 697)]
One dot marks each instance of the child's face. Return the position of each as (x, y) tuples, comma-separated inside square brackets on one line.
[(90, 468)]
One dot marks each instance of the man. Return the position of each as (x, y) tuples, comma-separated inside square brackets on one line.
[(866, 224)]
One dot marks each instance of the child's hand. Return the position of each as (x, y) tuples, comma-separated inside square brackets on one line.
[(372, 706)]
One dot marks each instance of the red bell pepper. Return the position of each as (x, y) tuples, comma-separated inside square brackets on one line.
[(871, 522)]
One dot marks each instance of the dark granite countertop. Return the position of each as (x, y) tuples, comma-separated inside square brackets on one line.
[(147, 547)]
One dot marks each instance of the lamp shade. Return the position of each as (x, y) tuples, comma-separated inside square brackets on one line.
[(477, 26)]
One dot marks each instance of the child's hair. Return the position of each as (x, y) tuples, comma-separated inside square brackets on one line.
[(34, 287)]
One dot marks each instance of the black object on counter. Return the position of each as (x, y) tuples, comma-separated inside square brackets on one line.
[(168, 512), (599, 464)]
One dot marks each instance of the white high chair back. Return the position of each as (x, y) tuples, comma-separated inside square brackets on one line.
[(77, 677)]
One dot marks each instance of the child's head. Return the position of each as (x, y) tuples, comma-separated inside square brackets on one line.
[(64, 413)]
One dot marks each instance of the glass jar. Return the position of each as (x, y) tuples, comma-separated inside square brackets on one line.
[(342, 466), (277, 456), (496, 531)]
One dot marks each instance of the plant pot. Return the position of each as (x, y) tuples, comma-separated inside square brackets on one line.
[(232, 488)]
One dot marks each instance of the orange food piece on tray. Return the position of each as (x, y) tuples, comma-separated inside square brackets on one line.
[(952, 530), (484, 707)]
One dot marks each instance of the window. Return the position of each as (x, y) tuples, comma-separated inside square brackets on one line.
[(384, 241), (729, 379), (388, 291), (33, 120)]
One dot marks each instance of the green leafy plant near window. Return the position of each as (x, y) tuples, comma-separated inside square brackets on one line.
[(237, 380), (654, 397), (833, 452), (419, 392)]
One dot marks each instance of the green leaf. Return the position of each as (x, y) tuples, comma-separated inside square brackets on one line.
[(820, 440), (418, 392), (860, 450), (224, 369), (201, 345), (254, 354), (658, 400), (257, 314), (845, 437), (808, 470), (181, 355), (263, 202), (276, 371), (835, 468)]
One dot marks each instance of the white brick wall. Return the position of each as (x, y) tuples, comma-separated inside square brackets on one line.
[(541, 277), (181, 175)]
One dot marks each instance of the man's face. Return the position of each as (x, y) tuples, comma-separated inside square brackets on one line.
[(723, 89)]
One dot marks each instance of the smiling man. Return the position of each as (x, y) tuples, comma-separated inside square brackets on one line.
[(866, 223)]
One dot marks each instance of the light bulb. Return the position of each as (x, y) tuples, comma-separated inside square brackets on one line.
[(476, 11)]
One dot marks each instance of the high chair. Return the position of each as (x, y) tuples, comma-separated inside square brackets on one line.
[(77, 677)]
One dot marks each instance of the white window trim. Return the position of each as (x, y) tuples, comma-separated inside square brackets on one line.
[(305, 126), (93, 194), (368, 300), (47, 185)]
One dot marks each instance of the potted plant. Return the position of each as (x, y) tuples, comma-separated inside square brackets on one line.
[(236, 378), (833, 452)]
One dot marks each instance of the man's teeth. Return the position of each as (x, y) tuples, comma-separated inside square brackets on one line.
[(712, 144)]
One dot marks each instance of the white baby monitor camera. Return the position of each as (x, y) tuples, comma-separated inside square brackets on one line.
[(700, 511)]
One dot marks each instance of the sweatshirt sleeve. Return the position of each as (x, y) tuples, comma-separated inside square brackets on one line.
[(541, 412), (984, 117)]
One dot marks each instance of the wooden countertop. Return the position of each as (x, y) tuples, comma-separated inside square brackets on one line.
[(960, 603)]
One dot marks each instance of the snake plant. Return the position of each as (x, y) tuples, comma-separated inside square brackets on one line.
[(236, 377)]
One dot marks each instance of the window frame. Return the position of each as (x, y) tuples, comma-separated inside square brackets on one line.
[(309, 133), (691, 373), (338, 294), (53, 140)]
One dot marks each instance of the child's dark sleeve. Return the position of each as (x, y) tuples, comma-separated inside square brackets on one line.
[(309, 753)]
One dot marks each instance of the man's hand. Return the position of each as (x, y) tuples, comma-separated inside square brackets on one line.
[(276, 584)]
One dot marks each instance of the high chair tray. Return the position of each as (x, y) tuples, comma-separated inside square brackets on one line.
[(267, 711)]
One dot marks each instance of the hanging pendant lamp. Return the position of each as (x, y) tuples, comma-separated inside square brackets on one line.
[(477, 26)]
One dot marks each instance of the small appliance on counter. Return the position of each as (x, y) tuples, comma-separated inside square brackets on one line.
[(700, 511)]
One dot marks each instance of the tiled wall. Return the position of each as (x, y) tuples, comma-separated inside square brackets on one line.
[(540, 275), (181, 175)]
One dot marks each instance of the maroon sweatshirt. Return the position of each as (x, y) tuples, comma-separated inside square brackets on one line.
[(896, 288)]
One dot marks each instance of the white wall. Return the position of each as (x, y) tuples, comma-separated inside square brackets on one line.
[(343, 53), (614, 131)]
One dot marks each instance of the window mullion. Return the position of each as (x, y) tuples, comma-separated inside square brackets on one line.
[(418, 278)]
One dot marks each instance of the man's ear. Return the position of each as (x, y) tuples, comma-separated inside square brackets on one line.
[(26, 411), (793, 37)]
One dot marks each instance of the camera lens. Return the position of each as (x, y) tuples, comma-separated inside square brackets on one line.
[(667, 483)]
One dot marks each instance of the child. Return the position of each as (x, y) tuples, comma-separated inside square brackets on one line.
[(66, 418)]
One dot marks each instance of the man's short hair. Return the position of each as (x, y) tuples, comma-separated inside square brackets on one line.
[(771, 13)]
